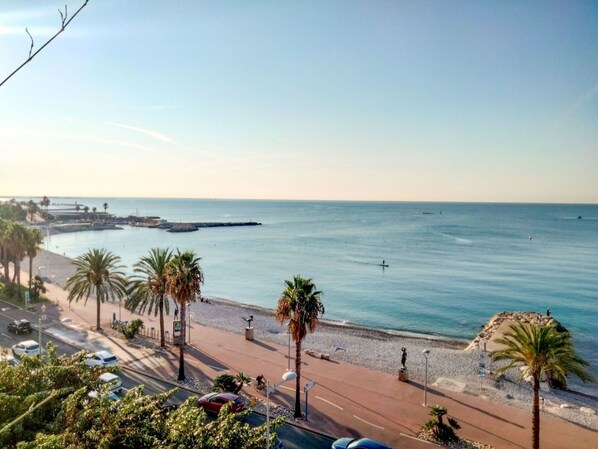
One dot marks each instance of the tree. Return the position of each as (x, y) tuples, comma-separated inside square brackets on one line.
[(65, 21), (31, 210), (77, 209), (97, 273), (183, 282), (16, 247), (33, 241), (4, 246), (86, 210), (541, 352), (300, 304), (94, 210), (441, 431), (105, 206), (37, 287), (45, 202), (148, 287), (45, 403)]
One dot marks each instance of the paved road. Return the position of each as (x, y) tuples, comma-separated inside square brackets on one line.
[(293, 437)]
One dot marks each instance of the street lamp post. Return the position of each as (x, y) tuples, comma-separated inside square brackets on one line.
[(426, 353), (289, 375)]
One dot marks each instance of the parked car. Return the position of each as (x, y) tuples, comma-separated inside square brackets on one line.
[(358, 443), (9, 359), (20, 327), (29, 347), (114, 385), (114, 382), (213, 402), (101, 358)]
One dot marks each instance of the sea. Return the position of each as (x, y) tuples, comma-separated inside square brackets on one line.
[(451, 266)]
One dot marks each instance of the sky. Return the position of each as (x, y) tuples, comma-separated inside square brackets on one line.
[(337, 100)]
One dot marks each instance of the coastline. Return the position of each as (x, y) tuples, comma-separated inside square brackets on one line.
[(451, 367)]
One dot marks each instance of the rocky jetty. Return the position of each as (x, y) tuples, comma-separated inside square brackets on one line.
[(497, 321)]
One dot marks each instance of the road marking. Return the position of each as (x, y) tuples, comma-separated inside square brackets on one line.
[(367, 422), (328, 402), (7, 336), (217, 368), (287, 388)]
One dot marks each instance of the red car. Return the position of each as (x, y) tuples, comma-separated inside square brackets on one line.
[(213, 402)]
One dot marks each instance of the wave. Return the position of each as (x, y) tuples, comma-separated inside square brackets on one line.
[(457, 239)]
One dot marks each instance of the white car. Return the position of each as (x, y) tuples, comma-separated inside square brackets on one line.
[(114, 385), (29, 347), (9, 359), (114, 382), (101, 358)]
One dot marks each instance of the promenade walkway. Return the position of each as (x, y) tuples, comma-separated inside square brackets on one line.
[(347, 399)]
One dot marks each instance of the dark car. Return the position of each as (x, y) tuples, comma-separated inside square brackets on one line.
[(20, 327), (213, 402), (358, 443)]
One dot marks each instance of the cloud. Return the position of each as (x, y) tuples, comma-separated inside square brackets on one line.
[(148, 132), (578, 104)]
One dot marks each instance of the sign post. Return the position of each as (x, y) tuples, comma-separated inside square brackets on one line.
[(308, 386), (177, 327)]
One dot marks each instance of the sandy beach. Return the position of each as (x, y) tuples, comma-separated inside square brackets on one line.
[(450, 366)]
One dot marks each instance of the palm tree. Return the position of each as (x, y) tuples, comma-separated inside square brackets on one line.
[(543, 352), (97, 272), (4, 246), (31, 209), (77, 209), (33, 241), (17, 248), (45, 202), (148, 289), (300, 304), (183, 282), (94, 210), (105, 206), (86, 210)]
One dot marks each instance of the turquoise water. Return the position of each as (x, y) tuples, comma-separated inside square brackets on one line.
[(450, 269)]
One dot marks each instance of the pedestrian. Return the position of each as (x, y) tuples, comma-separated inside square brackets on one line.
[(548, 311)]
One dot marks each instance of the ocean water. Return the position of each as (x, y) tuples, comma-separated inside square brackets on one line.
[(451, 265)]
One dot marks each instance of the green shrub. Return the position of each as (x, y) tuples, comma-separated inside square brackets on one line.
[(228, 382), (132, 329), (37, 287)]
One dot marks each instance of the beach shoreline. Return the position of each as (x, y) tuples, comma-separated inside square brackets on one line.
[(451, 367)]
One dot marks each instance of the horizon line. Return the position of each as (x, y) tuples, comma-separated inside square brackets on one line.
[(8, 197)]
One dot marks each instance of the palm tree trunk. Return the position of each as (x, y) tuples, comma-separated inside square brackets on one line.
[(298, 381), (536, 414), (30, 271), (182, 343), (98, 307), (18, 276), (162, 341)]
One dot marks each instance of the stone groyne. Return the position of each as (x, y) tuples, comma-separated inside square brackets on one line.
[(491, 329)]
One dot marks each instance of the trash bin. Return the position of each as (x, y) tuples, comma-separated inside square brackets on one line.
[(249, 333)]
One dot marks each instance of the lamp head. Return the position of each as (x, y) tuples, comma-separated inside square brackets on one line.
[(426, 351), (289, 375)]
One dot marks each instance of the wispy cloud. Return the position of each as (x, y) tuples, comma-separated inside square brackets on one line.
[(578, 104), (148, 132)]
